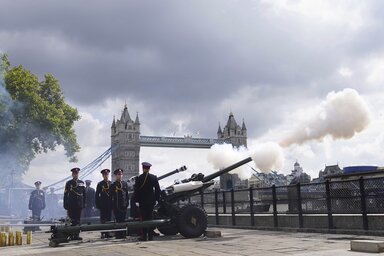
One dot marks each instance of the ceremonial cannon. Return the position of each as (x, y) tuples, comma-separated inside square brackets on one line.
[(190, 220)]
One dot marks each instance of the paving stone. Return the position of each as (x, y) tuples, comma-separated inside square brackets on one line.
[(367, 246), (233, 242), (212, 233)]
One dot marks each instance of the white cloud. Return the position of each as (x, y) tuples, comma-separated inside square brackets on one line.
[(266, 62), (351, 14), (345, 72)]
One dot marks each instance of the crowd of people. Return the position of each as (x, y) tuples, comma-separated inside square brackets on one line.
[(110, 200)]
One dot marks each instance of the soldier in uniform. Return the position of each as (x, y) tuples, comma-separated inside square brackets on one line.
[(74, 199), (89, 199), (147, 193), (37, 201), (120, 200), (103, 200)]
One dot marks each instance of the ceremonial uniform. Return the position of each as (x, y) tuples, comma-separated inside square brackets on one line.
[(134, 210), (147, 192), (89, 199), (103, 200), (74, 199), (120, 200), (37, 201)]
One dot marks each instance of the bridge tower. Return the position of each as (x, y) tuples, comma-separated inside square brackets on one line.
[(233, 133), (237, 136), (125, 135)]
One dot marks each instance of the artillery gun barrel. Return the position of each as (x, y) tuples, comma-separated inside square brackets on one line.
[(181, 169), (225, 170), (109, 226)]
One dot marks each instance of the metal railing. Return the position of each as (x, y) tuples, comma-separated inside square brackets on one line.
[(361, 198)]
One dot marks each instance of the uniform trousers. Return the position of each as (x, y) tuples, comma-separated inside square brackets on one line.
[(105, 216), (74, 214), (120, 217), (146, 213), (36, 213)]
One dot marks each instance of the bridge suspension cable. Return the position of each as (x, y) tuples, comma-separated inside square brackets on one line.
[(89, 168)]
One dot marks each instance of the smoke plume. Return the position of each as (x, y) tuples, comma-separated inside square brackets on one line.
[(266, 156), (341, 115), (224, 155)]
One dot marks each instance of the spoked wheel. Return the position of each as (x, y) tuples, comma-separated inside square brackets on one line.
[(191, 221)]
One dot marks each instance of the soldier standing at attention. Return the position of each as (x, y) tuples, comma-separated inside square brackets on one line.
[(119, 194), (89, 199), (37, 201), (74, 199), (103, 200), (147, 192)]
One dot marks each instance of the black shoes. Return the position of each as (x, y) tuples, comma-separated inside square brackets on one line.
[(105, 235), (76, 238)]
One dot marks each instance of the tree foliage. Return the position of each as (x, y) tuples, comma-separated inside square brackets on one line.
[(34, 117)]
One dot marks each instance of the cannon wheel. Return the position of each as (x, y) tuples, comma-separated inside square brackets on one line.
[(168, 231), (191, 221), (164, 212)]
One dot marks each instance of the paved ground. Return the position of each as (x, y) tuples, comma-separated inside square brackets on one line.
[(232, 242)]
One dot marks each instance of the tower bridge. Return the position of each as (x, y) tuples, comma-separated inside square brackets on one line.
[(126, 139), (179, 142)]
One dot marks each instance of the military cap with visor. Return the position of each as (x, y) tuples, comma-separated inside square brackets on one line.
[(118, 171), (75, 170), (105, 171), (146, 165)]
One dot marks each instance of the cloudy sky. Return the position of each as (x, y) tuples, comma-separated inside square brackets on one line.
[(184, 65)]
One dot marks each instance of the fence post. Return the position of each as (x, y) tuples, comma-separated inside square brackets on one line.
[(274, 204), (216, 207), (224, 203), (299, 206), (202, 198), (251, 203), (329, 204), (233, 207), (363, 204)]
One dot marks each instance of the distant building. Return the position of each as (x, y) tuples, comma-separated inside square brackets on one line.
[(328, 171), (298, 175), (233, 133), (237, 136), (262, 180), (233, 181), (125, 136), (355, 172)]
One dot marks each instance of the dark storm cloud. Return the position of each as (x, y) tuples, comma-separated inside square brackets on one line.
[(178, 56)]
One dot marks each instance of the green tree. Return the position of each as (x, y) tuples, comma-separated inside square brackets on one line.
[(34, 118)]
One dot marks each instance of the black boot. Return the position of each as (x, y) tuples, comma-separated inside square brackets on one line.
[(76, 237)]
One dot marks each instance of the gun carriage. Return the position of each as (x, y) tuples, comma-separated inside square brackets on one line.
[(189, 220)]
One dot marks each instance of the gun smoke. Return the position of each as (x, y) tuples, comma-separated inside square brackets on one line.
[(223, 155), (341, 115), (266, 157)]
